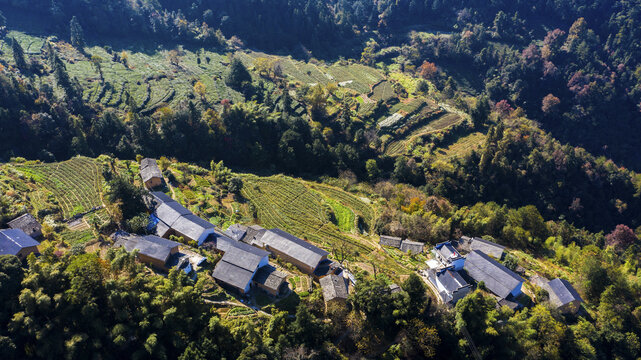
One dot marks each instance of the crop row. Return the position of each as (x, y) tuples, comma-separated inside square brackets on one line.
[(74, 183), (287, 204)]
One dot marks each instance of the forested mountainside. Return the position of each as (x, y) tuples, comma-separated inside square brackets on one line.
[(389, 136)]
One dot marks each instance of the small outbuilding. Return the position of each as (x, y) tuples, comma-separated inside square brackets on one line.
[(334, 288), (412, 247), (150, 173), (270, 280), (392, 241), (28, 224), (563, 296)]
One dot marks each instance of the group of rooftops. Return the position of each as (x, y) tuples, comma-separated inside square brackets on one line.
[(460, 262)]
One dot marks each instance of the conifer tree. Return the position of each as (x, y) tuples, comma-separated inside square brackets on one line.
[(18, 55), (77, 34)]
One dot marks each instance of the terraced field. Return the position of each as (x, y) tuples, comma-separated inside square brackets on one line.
[(354, 76), (288, 204), (398, 146), (75, 183), (462, 146), (296, 206)]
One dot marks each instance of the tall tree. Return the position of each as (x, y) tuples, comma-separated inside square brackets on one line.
[(18, 55), (77, 34)]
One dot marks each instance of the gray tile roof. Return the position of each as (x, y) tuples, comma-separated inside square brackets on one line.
[(447, 251), (149, 169), (412, 246), (269, 277), (152, 246), (497, 278), (248, 260), (562, 292), (232, 275), (487, 247), (394, 288), (451, 280), (236, 231), (192, 226), (28, 224), (161, 197), (294, 247), (169, 212), (390, 241), (14, 240), (254, 235), (334, 287), (162, 229)]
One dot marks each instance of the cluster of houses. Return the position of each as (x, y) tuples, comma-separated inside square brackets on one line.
[(452, 274), (246, 249), (407, 246)]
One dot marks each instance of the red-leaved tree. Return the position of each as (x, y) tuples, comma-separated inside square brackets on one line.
[(621, 237)]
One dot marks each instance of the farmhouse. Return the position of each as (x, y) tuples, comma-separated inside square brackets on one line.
[(271, 280), (171, 218), (239, 265), (28, 224), (299, 252), (392, 241), (334, 288), (16, 242), (411, 247), (497, 278), (450, 285), (448, 256), (487, 247), (563, 296), (150, 173), (152, 249)]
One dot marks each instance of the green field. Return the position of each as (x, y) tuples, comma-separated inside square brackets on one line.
[(75, 184), (462, 146), (399, 146), (153, 81)]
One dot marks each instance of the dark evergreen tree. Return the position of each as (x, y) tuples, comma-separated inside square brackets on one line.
[(77, 34), (18, 55), (237, 76)]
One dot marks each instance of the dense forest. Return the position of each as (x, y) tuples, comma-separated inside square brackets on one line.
[(542, 158)]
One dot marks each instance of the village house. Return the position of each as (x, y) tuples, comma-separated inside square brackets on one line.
[(152, 249), (485, 246), (28, 224), (563, 296), (150, 173), (392, 241), (17, 242), (448, 256), (334, 289), (412, 247), (288, 247), (239, 265), (450, 285), (270, 280), (171, 218), (497, 278), (406, 245)]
